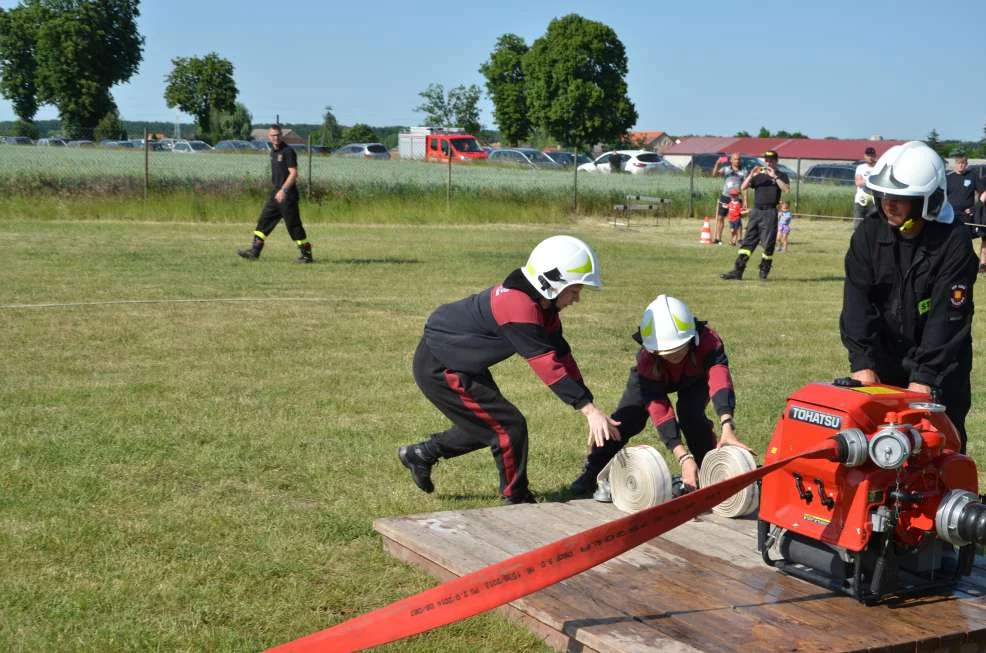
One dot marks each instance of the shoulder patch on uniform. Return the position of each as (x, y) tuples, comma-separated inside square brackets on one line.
[(958, 295)]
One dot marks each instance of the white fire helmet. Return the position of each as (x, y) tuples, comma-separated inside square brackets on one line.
[(559, 262), (912, 171), (667, 325)]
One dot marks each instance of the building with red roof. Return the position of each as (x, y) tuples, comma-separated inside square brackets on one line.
[(792, 152)]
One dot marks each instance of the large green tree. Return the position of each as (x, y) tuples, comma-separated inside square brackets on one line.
[(360, 133), (18, 63), (69, 53), (505, 85), (331, 133), (459, 108), (200, 85), (576, 86), (229, 125)]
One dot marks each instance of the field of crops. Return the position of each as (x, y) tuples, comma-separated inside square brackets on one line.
[(411, 191)]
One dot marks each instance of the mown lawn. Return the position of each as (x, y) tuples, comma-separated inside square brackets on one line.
[(201, 475)]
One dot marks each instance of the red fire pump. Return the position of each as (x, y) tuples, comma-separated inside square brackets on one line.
[(898, 513)]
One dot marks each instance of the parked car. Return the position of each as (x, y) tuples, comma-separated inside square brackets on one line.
[(261, 146), (17, 140), (80, 143), (190, 147), (523, 156), (564, 159), (51, 142), (840, 174), (363, 151), (232, 146), (633, 161)]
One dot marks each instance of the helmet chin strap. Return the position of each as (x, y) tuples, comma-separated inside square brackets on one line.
[(907, 225)]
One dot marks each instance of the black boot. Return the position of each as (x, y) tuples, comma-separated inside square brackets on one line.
[(738, 267), (306, 253), (765, 265), (253, 253), (419, 458), (598, 458)]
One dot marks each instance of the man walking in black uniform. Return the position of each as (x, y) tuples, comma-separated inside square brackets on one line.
[(283, 202), (767, 183), (907, 301), (462, 340), (965, 190)]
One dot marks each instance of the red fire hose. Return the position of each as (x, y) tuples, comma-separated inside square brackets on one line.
[(528, 572)]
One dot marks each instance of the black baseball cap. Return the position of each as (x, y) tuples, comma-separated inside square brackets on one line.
[(870, 151), (770, 154)]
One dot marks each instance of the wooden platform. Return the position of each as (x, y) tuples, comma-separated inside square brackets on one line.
[(700, 588)]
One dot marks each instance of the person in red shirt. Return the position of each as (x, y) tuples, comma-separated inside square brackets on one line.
[(678, 355), (462, 340)]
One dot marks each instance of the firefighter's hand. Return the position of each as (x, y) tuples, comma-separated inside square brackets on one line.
[(919, 387), (602, 427), (729, 439), (689, 474), (280, 196), (865, 376)]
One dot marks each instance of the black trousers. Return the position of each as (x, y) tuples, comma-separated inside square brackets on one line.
[(480, 415), (632, 414), (762, 229), (274, 211)]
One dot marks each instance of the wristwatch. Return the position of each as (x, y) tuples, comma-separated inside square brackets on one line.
[(728, 420)]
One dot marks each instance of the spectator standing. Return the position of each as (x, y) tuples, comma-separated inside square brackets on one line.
[(768, 183), (733, 173), (965, 191), (907, 299), (783, 226), (863, 204), (282, 203)]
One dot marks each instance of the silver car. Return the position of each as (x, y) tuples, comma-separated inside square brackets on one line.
[(523, 156), (363, 151)]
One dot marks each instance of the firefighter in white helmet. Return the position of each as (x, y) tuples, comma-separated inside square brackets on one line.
[(907, 299), (678, 355), (462, 340)]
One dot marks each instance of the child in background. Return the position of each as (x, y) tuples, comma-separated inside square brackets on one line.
[(783, 226), (734, 212)]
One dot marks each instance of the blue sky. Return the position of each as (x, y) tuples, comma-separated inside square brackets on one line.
[(825, 68)]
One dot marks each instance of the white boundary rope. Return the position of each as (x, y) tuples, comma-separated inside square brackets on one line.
[(209, 300)]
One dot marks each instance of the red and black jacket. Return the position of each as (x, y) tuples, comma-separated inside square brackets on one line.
[(706, 364), (477, 332)]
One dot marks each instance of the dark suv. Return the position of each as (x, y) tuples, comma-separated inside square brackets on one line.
[(840, 174)]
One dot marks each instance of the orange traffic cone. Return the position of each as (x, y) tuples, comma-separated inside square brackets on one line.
[(706, 238)]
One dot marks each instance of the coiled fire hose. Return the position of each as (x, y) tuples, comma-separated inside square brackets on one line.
[(638, 478), (727, 462), (529, 572)]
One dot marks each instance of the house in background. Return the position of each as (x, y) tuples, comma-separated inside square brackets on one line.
[(796, 153), (287, 135), (655, 141)]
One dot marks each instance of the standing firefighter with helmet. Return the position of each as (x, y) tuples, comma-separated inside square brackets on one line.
[(682, 355), (462, 340), (767, 183), (907, 301)]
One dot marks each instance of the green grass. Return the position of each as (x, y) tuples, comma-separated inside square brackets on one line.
[(97, 184), (203, 476)]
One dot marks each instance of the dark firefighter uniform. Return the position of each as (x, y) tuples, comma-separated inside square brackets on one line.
[(962, 193), (907, 309), (461, 341), (761, 226), (702, 375)]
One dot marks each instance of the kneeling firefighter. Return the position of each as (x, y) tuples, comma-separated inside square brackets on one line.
[(682, 355)]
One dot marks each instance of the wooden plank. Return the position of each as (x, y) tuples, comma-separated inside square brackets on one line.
[(681, 593)]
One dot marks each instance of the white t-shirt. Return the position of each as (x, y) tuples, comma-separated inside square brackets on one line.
[(863, 198)]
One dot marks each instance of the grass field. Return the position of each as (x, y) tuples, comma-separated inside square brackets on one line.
[(194, 446), (97, 184)]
